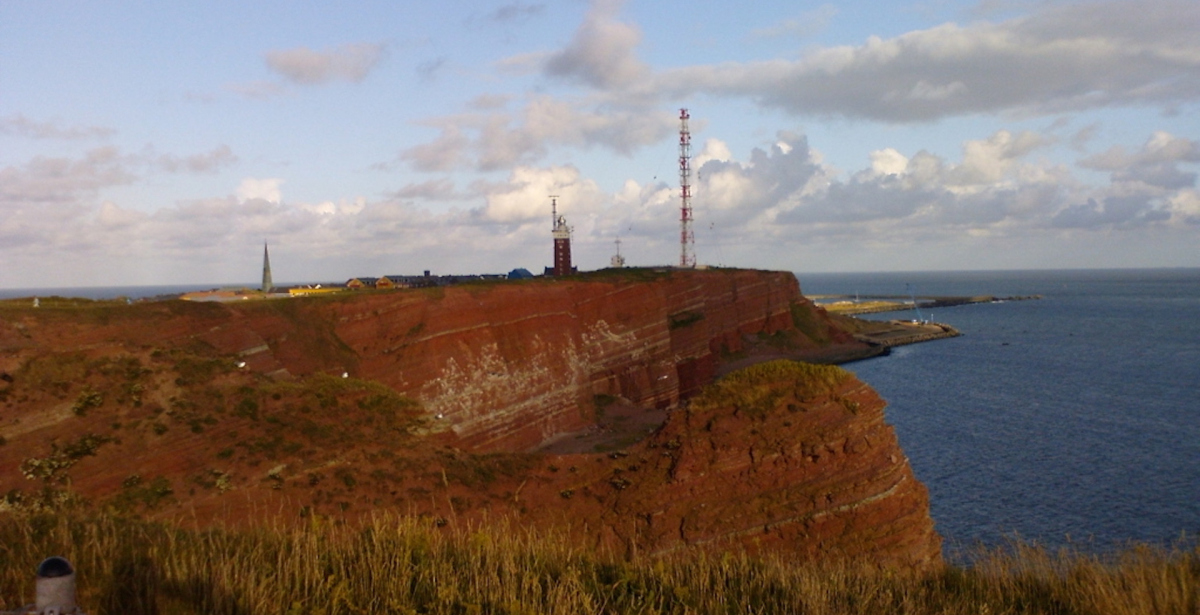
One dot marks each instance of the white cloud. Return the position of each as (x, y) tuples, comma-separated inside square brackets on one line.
[(807, 24), (1147, 187), (714, 149), (1057, 58), (351, 62), (1158, 163), (988, 161), (444, 153), (19, 125), (516, 11), (113, 217), (488, 102), (602, 52), (784, 195), (1064, 57), (265, 189), (499, 139), (763, 209), (888, 162), (207, 162), (1185, 207), (64, 180), (526, 195), (432, 190)]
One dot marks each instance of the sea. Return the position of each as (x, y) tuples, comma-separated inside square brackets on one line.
[(114, 292), (1069, 421), (1072, 420)]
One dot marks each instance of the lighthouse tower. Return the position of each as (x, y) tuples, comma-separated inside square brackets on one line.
[(562, 240)]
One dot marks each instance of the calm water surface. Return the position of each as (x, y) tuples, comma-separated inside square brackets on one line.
[(1073, 418)]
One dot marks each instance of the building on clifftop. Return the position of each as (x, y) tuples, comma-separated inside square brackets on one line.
[(562, 242), (266, 281)]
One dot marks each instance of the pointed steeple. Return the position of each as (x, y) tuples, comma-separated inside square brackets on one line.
[(266, 284)]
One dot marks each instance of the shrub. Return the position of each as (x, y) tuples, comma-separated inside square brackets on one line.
[(86, 400)]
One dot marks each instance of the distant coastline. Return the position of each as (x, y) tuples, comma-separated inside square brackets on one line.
[(807, 280), (115, 292)]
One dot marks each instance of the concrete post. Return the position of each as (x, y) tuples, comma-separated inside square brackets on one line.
[(55, 587)]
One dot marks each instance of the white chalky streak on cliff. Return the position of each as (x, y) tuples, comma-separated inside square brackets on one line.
[(485, 389)]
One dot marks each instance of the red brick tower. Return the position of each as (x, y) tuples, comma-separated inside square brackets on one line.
[(562, 240)]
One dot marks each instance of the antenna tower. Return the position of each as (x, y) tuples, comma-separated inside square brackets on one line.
[(687, 241), (617, 261)]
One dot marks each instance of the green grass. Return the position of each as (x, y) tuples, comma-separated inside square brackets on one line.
[(804, 318), (755, 391), (396, 564), (52, 468), (624, 274)]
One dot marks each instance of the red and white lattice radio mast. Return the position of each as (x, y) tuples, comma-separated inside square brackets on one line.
[(687, 241)]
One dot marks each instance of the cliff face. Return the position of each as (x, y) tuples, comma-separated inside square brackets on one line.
[(779, 457), (510, 366), (506, 367), (230, 410)]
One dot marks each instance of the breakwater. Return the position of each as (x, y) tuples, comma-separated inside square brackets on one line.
[(875, 304), (902, 333)]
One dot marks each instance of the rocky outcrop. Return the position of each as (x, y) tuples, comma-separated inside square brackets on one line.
[(503, 367), (509, 366), (229, 411), (782, 457)]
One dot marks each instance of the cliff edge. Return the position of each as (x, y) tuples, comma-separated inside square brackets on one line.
[(432, 402)]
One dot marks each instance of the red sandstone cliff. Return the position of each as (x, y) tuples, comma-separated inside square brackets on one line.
[(508, 366), (780, 457), (142, 407)]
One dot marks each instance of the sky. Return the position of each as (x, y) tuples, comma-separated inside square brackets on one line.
[(153, 143)]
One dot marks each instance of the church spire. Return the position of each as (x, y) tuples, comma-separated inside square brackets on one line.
[(266, 284)]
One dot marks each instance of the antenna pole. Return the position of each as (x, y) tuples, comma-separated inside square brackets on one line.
[(687, 241)]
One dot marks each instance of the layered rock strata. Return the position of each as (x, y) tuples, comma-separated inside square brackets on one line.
[(506, 367), (227, 411), (782, 457)]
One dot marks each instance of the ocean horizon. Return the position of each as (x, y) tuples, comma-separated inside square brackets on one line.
[(98, 293), (134, 291)]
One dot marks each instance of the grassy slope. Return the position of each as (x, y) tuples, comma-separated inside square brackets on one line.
[(405, 565)]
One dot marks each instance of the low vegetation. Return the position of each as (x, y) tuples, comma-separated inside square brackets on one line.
[(413, 565), (804, 318), (752, 390)]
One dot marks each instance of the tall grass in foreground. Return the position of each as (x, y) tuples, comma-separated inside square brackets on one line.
[(405, 565)]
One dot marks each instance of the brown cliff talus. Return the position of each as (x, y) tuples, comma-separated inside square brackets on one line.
[(240, 412)]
